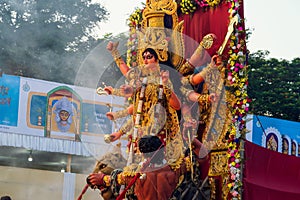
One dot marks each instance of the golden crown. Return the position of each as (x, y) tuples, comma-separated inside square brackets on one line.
[(154, 32)]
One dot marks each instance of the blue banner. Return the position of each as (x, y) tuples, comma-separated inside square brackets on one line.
[(261, 125), (9, 100)]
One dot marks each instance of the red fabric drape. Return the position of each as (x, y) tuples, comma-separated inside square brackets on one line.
[(202, 22), (269, 175), (209, 20)]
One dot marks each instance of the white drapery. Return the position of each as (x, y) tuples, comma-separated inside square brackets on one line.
[(49, 144), (69, 186)]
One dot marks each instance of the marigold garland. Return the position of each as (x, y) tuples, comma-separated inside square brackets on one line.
[(132, 42), (190, 6), (135, 18), (213, 3), (238, 82), (134, 23)]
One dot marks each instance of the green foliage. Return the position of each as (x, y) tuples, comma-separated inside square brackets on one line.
[(274, 86), (47, 39)]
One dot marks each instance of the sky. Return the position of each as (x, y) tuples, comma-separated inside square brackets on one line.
[(274, 24)]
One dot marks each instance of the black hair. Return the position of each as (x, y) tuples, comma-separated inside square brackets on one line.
[(168, 21), (5, 198), (151, 146), (150, 50), (149, 143)]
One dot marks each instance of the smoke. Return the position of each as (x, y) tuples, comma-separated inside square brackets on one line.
[(44, 39)]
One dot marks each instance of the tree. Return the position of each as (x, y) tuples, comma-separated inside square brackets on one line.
[(47, 39), (274, 86)]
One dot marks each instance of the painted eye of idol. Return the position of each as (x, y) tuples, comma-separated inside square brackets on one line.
[(147, 56), (64, 115)]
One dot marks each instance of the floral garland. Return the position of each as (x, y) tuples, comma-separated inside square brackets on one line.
[(135, 18), (134, 23), (238, 83), (132, 42), (190, 6), (212, 3), (137, 123)]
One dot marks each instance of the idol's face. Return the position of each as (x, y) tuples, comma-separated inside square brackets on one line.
[(148, 58), (218, 60), (64, 115)]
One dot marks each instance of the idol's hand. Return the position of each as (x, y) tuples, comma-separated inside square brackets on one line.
[(165, 76), (112, 137), (215, 61), (193, 96), (191, 123), (127, 90), (208, 40), (199, 149), (110, 115), (108, 89), (95, 180), (111, 46), (213, 97)]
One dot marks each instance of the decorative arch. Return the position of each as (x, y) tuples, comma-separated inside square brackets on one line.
[(272, 139), (286, 145), (294, 148), (63, 98)]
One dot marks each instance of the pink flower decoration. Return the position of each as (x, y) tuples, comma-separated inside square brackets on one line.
[(232, 177), (235, 193)]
